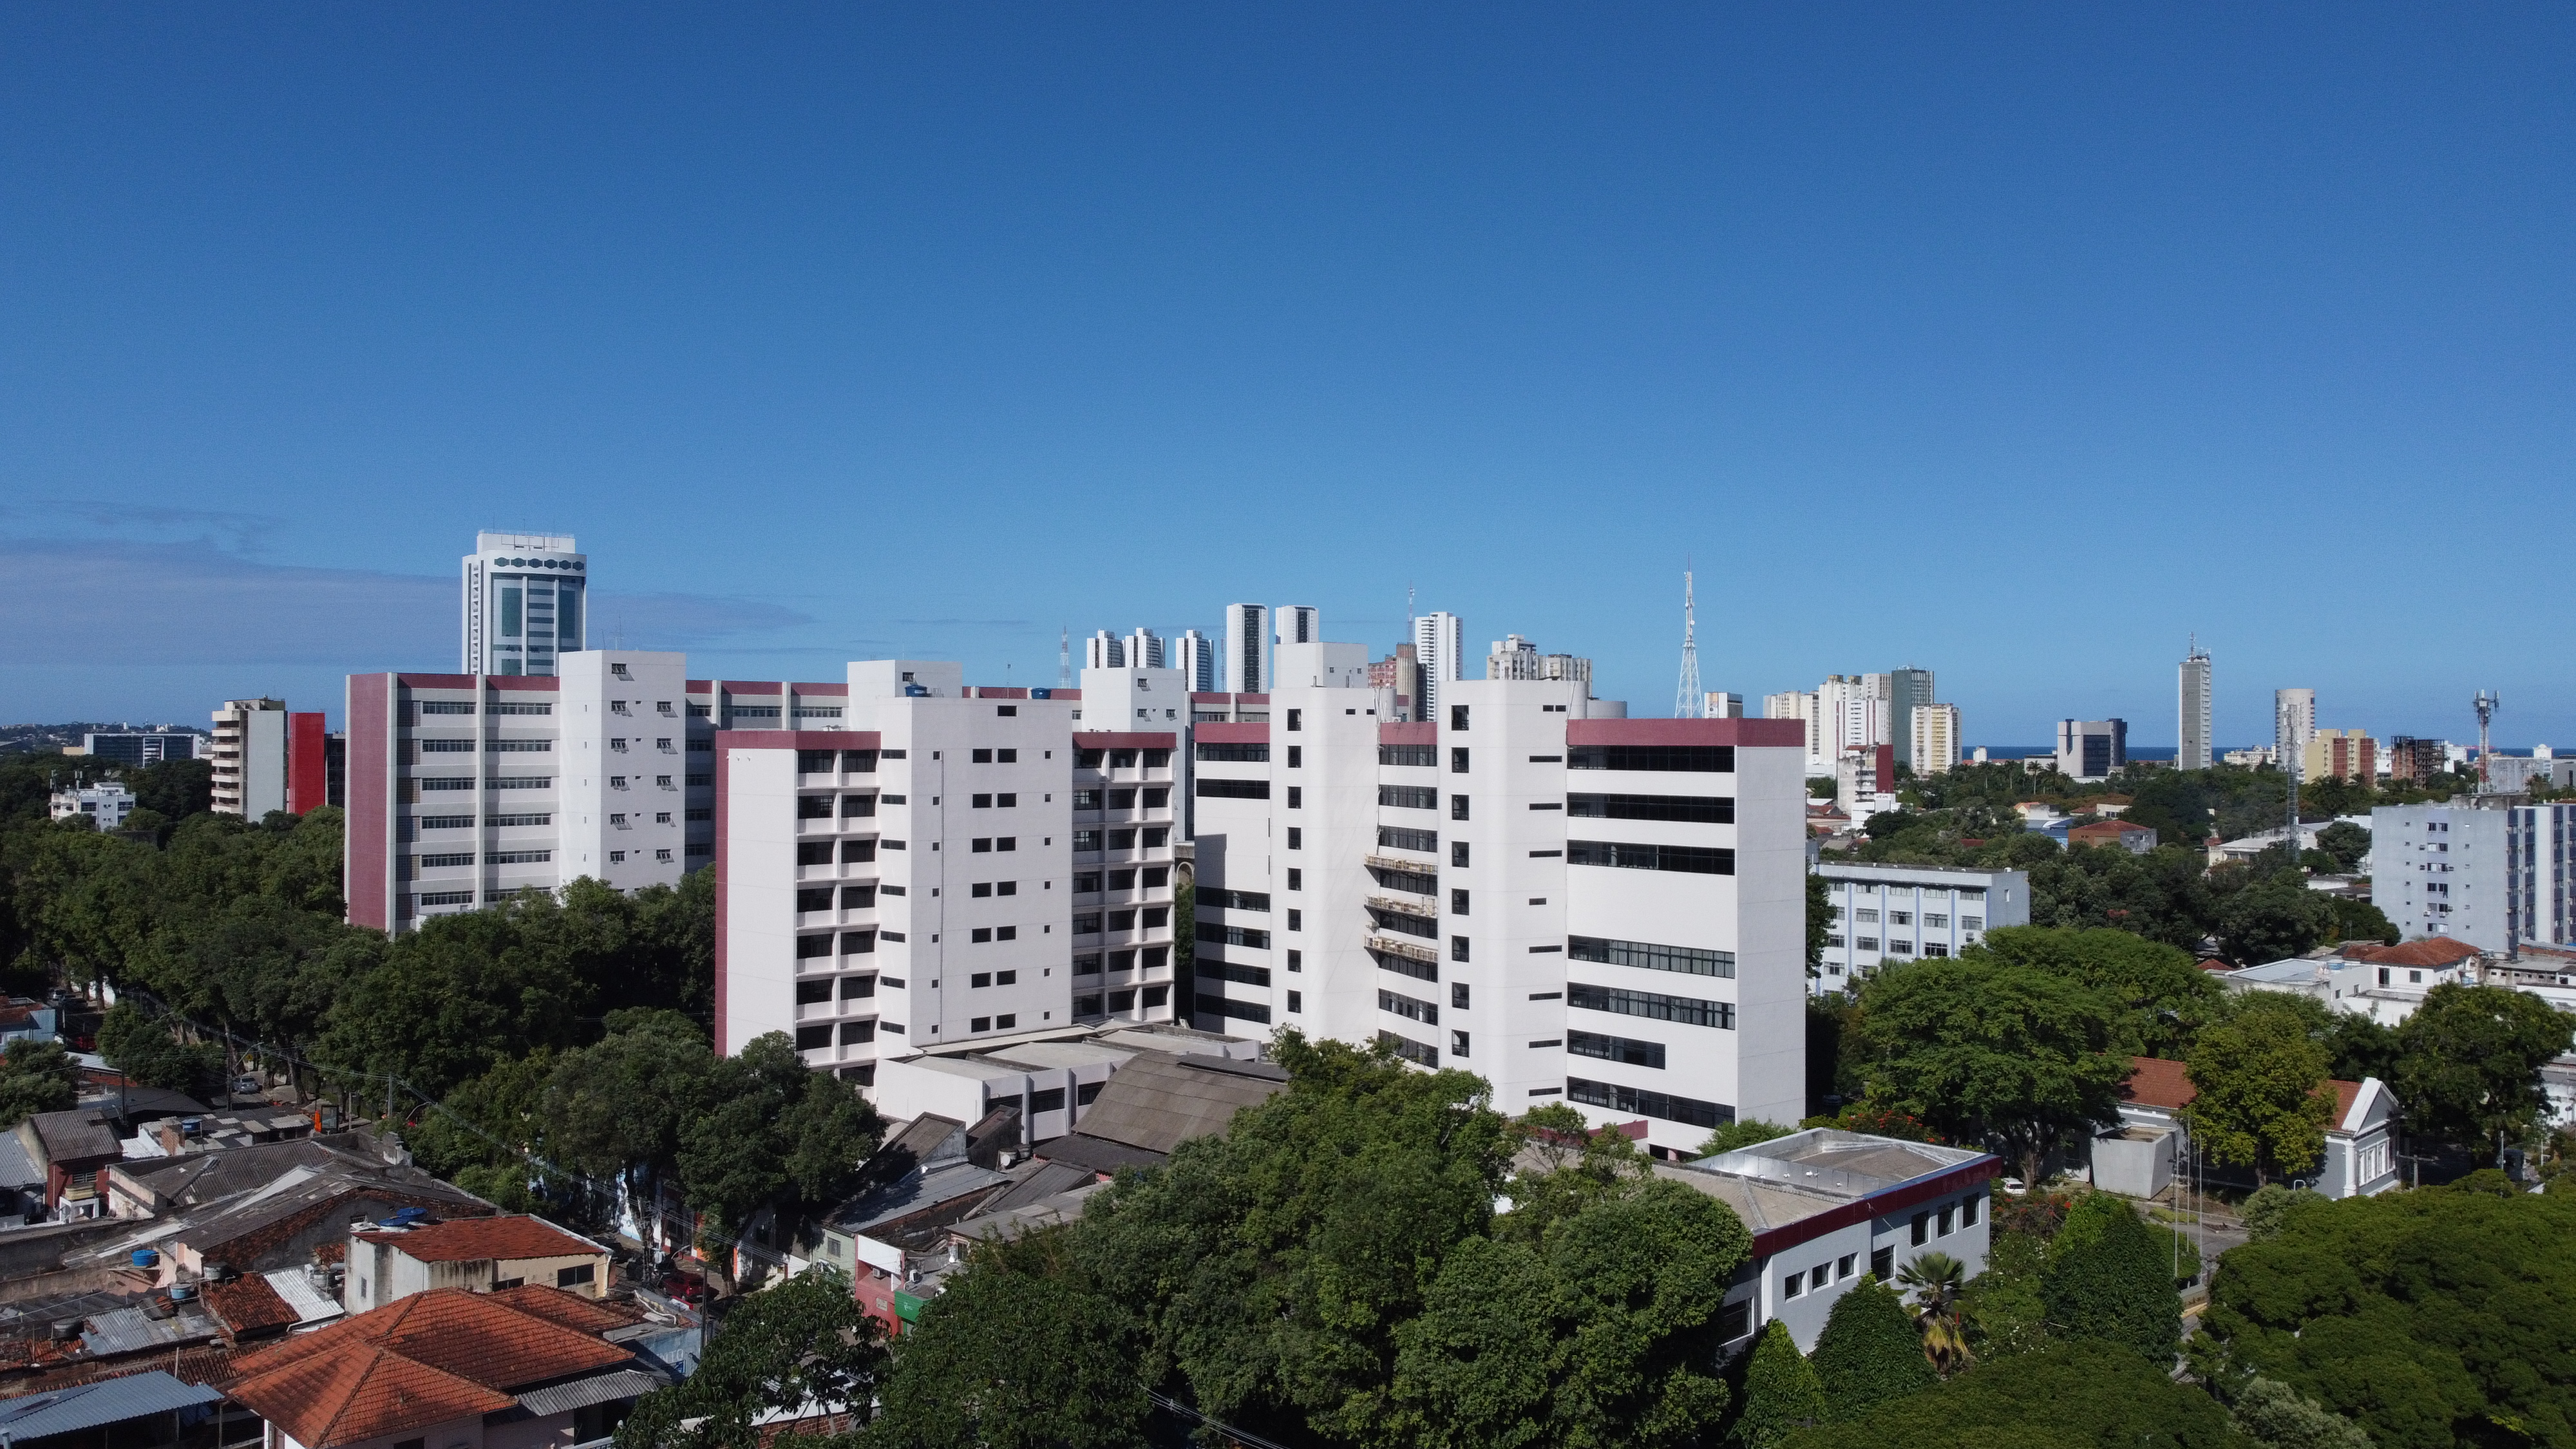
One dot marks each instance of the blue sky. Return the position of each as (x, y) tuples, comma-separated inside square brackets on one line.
[(2016, 343)]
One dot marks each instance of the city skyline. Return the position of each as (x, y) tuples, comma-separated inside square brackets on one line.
[(837, 336)]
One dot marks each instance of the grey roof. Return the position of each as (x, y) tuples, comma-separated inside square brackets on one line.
[(131, 1330), (1095, 1154), (1773, 1184), (1159, 1101), (1044, 1212), (72, 1136), (220, 1199), (17, 1169), (957, 1184), (97, 1405), (605, 1388), (1035, 1181)]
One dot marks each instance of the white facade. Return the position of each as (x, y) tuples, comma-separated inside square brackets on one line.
[(1103, 650), (958, 866), (250, 757), (1936, 738), (1247, 648), (1722, 705), (2092, 749), (1297, 624), (1882, 913), (1194, 655), (1423, 884), (2492, 878), (2193, 712), (104, 805), (1517, 658), (1440, 647), (2294, 719), (1804, 707), (525, 603)]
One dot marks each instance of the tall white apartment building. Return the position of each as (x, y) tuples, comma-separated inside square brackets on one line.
[(1103, 650), (1517, 658), (524, 603), (1901, 913), (2494, 878), (1247, 648), (958, 865), (250, 757), (1575, 906), (1936, 738), (1440, 648), (1298, 624), (1194, 655), (2294, 721), (2193, 711), (1859, 710), (1803, 706)]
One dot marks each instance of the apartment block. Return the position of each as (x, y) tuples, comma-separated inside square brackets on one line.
[(2092, 749), (524, 602), (2340, 755), (952, 864), (1936, 746), (1440, 647), (2493, 876), (2192, 710), (1901, 913), (1575, 905), (1247, 648), (250, 757)]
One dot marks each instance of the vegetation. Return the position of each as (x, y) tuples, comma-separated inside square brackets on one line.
[(2262, 1099), (1744, 1133), (2431, 1318), (2468, 1063), (1935, 1282), (2110, 1277), (1781, 1391), (802, 1345), (35, 1077), (1869, 1353), (2071, 1395)]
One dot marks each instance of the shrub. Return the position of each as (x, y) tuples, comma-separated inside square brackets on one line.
[(1869, 1352), (2109, 1278)]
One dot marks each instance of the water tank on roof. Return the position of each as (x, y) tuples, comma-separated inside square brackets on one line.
[(145, 1258)]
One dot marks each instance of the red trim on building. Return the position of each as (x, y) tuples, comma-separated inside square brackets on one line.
[(1744, 733), (698, 686), (308, 774), (820, 690), (541, 682), (1135, 739), (1234, 734), (370, 824), (1416, 732), (1878, 1205)]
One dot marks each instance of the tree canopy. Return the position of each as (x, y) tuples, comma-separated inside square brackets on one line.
[(801, 1346), (2083, 1395), (2261, 1101), (2469, 1059)]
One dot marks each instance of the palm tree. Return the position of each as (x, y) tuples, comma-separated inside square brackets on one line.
[(1934, 1281)]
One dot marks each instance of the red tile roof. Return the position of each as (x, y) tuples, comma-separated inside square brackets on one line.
[(426, 1359), (248, 1307), (475, 1240), (2431, 951), (570, 1310), (2155, 1082)]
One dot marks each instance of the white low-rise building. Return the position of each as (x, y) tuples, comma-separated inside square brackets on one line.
[(1882, 913), (2151, 1147), (105, 804)]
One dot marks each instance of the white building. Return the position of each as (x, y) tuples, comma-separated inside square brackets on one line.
[(1517, 658), (1572, 904), (2294, 719), (2151, 1146), (1936, 738), (105, 805), (250, 757), (1882, 913), (1194, 655), (1440, 647), (2384, 983), (1722, 705), (2092, 749), (524, 602), (1247, 648), (1802, 706), (1297, 624), (2493, 877), (2193, 711), (954, 864)]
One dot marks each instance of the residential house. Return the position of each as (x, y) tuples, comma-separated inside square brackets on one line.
[(391, 1261), (2135, 839), (524, 1368), (2384, 983), (2151, 1147), (74, 1150), (128, 1412)]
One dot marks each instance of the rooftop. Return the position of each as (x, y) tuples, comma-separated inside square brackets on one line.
[(1791, 1188), (79, 1135), (476, 1240), (2430, 951), (1158, 1101)]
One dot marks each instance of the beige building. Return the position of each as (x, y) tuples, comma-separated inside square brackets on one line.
[(480, 1255), (1936, 738), (2339, 754)]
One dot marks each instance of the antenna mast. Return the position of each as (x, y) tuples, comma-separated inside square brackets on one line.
[(1064, 658), (2486, 704), (1688, 700)]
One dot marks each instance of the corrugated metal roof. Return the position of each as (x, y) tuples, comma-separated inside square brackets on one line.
[(1157, 1102), (97, 1405), (311, 1304), (130, 1330), (582, 1393)]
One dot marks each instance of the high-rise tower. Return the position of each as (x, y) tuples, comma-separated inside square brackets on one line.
[(1438, 641), (524, 594), (2193, 737)]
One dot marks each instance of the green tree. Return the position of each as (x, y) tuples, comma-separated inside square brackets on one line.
[(2431, 1319), (2469, 1060), (1017, 1353), (2164, 996), (2110, 1278), (35, 1076), (773, 1135), (1935, 1281), (145, 1051), (1869, 1353), (615, 1109), (2273, 919), (2261, 1100), (2267, 1209), (2346, 842), (2002, 1309), (2276, 1415), (1984, 1050), (174, 789), (1820, 921), (1781, 1393), (802, 1346), (2070, 1396), (1742, 1133)]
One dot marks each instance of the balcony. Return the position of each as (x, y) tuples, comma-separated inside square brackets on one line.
[(1409, 949), (1404, 906)]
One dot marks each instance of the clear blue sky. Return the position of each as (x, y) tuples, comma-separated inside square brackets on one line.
[(2014, 343)]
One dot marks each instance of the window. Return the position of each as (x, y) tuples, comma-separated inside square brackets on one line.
[(1390, 838), (1616, 1049), (980, 1023), (1296, 920), (1870, 916), (1210, 788), (1296, 960), (1968, 1211), (1686, 1010), (1296, 757), (1900, 918), (1696, 859), (1216, 934), (1882, 1263), (1296, 1001), (434, 862), (1083, 840), (1690, 809), (1236, 753), (1087, 963), (1458, 995), (1227, 900), (1457, 1044), (1457, 807), (1421, 755), (1408, 797), (1457, 948), (617, 857), (814, 898), (1688, 960), (1421, 1054), (1122, 759), (1458, 761), (1734, 1320), (1410, 1008), (1922, 1228), (1296, 838), (1458, 717), (1458, 852), (1296, 797), (981, 935), (1843, 1264), (1935, 920), (1944, 1226), (1695, 759), (1645, 1102), (1793, 1285), (577, 1274), (814, 1038), (1458, 903), (1296, 720)]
